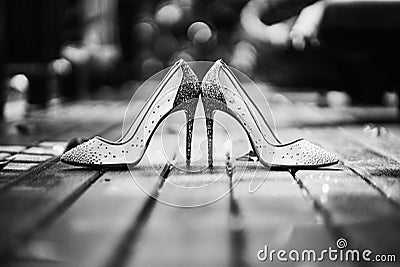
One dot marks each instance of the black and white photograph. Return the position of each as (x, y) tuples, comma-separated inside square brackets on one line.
[(199, 133)]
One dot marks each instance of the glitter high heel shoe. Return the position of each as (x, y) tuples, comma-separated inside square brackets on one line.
[(222, 91), (179, 90)]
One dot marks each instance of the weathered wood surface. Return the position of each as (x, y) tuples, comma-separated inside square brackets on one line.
[(57, 215)]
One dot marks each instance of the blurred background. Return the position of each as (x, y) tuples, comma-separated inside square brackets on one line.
[(341, 52)]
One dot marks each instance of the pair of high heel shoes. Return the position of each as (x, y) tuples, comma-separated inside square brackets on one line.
[(220, 90)]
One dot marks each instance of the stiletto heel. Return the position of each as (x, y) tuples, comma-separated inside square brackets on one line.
[(210, 132), (179, 90), (190, 112), (231, 98)]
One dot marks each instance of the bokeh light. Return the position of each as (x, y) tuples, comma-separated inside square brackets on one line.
[(145, 31), (199, 32), (169, 14), (19, 82)]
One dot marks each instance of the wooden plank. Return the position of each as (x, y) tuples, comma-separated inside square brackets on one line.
[(229, 232), (182, 236), (35, 158), (90, 230), (27, 205), (376, 138), (11, 148), (39, 195), (278, 216), (302, 232), (16, 171), (357, 210), (36, 216), (375, 169), (175, 230), (76, 120), (86, 130)]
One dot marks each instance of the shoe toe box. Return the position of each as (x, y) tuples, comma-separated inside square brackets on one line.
[(81, 155), (302, 154), (314, 155)]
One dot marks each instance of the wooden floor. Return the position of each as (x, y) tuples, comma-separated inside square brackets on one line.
[(52, 214)]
